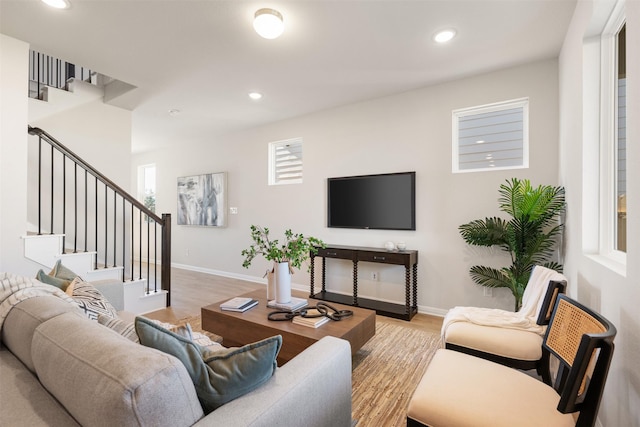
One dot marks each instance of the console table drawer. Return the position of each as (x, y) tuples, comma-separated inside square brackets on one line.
[(387, 258), (336, 253)]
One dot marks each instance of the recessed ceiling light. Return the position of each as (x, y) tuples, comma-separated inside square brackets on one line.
[(174, 112), (58, 4), (268, 23), (444, 35), (255, 95)]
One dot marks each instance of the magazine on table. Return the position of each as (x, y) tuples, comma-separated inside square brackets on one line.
[(239, 304), (293, 305)]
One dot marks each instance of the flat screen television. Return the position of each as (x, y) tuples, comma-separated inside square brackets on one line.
[(377, 202)]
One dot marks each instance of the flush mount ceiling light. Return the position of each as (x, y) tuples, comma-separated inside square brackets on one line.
[(268, 23), (58, 4), (174, 112), (444, 35), (255, 95)]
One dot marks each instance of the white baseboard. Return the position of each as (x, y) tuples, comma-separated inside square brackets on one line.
[(433, 311)]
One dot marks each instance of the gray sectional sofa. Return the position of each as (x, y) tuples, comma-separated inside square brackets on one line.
[(58, 368)]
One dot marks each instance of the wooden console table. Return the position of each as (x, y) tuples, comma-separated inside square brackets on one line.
[(356, 254)]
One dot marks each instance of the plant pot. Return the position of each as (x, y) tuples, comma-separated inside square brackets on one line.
[(283, 283)]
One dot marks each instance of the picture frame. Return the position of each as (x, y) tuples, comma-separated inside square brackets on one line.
[(202, 200)]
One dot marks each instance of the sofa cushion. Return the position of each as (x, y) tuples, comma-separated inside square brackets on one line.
[(90, 300), (512, 343), (448, 395), (24, 401), (219, 376), (98, 376), (25, 317)]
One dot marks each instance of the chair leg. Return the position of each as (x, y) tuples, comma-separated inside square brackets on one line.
[(544, 370), (413, 423)]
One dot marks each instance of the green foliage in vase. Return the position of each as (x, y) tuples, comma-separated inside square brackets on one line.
[(530, 236), (295, 249)]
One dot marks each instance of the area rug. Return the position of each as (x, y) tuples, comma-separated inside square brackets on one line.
[(385, 372)]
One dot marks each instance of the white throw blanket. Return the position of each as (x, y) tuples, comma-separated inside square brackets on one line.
[(14, 289), (524, 319)]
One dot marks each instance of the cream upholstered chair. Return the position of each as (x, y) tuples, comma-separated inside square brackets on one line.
[(458, 389), (512, 339)]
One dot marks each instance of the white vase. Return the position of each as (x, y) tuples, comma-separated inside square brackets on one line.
[(283, 283)]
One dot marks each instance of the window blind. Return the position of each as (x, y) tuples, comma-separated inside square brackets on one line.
[(491, 137), (285, 162)]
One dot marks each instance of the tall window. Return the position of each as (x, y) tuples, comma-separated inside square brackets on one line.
[(147, 186), (620, 164), (491, 137)]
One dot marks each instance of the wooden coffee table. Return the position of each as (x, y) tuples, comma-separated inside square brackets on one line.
[(238, 329)]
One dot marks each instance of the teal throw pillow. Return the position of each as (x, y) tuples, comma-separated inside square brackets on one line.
[(52, 280), (61, 272), (218, 376)]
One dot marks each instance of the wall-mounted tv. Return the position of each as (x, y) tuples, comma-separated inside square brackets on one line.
[(377, 202)]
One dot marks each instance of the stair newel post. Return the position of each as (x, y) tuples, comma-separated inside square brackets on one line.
[(64, 201), (165, 280), (52, 183), (39, 185)]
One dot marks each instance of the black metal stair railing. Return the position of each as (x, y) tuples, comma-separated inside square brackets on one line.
[(45, 70), (100, 223)]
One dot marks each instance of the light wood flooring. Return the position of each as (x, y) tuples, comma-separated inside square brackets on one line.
[(191, 290)]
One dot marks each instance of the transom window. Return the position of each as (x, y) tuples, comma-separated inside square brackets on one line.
[(491, 137), (285, 162)]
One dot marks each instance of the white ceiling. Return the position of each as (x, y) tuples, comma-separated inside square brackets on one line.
[(203, 57)]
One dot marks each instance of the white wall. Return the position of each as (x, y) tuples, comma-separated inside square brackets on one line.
[(613, 294), (405, 132), (99, 133), (13, 154)]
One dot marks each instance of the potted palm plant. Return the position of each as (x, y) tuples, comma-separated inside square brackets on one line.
[(287, 255), (530, 236)]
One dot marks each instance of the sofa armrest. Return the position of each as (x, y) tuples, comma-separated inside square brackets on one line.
[(313, 390), (112, 290)]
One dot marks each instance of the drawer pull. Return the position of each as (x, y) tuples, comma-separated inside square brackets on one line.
[(381, 258), (332, 253)]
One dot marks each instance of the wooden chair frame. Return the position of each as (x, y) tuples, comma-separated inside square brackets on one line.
[(582, 342)]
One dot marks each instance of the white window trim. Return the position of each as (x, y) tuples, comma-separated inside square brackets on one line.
[(487, 108), (608, 137), (272, 180)]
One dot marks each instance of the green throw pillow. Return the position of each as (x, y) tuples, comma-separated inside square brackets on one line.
[(52, 280), (61, 272), (218, 376)]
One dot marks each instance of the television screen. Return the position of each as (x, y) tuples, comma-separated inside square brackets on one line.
[(379, 202)]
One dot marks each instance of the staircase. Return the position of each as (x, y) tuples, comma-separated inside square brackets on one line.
[(80, 216), (47, 249)]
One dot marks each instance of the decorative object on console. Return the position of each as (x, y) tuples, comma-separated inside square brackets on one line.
[(401, 246), (291, 254), (529, 237), (390, 246), (202, 200)]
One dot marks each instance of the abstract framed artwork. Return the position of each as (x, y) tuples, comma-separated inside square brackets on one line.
[(202, 200)]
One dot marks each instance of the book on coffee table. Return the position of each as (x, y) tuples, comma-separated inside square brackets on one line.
[(293, 305), (312, 322), (238, 304)]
